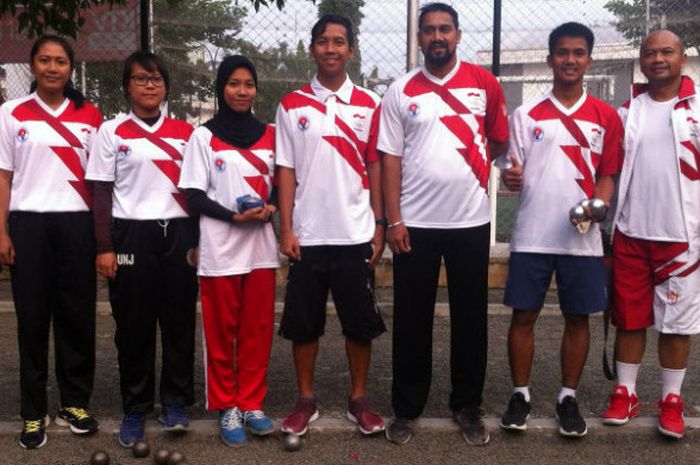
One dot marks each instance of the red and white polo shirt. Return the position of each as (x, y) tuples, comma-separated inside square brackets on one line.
[(563, 152), (47, 151), (144, 163), (225, 173), (441, 129), (328, 138)]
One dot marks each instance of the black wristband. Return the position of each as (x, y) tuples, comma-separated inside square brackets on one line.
[(381, 222)]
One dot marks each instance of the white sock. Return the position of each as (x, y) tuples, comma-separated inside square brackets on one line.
[(627, 376), (524, 390), (565, 391), (672, 380)]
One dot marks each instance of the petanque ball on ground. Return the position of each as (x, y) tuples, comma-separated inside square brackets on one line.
[(176, 458), (161, 456), (99, 457), (292, 442), (141, 449)]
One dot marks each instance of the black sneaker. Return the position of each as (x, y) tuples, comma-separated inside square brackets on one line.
[(472, 426), (78, 419), (33, 434), (400, 431), (517, 414), (571, 422)]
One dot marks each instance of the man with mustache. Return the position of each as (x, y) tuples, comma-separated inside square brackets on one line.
[(440, 125), (656, 243)]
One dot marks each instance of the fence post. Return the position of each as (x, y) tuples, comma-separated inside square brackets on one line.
[(496, 70), (412, 35), (145, 16)]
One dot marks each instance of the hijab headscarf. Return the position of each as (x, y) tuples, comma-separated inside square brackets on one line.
[(235, 128)]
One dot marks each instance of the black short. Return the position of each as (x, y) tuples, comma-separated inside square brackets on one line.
[(342, 269)]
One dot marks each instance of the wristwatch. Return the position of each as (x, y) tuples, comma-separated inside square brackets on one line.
[(381, 222)]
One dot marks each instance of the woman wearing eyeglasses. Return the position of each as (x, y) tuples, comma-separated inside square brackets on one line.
[(146, 244)]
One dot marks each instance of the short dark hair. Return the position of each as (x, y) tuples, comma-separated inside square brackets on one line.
[(435, 7), (69, 91), (150, 62), (571, 29), (320, 27)]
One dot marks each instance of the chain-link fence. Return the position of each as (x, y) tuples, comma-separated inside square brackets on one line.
[(197, 34)]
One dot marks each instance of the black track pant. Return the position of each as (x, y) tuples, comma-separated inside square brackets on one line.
[(466, 254), (53, 278), (155, 285)]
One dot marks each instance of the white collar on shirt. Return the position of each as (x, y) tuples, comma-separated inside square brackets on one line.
[(322, 93)]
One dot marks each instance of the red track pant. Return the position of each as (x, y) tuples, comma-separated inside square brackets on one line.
[(237, 317)]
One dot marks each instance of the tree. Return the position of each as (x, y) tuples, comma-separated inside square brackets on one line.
[(679, 16), (190, 38), (66, 17)]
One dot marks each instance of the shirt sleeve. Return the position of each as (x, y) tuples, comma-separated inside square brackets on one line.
[(391, 131), (371, 153), (284, 139), (196, 163), (611, 161), (7, 140), (102, 164), (516, 147), (496, 119)]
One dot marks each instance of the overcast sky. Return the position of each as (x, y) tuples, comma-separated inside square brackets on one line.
[(526, 24)]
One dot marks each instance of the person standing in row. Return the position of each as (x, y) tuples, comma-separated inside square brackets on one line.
[(331, 219), (440, 126), (228, 175), (50, 245), (656, 240), (565, 147), (144, 234)]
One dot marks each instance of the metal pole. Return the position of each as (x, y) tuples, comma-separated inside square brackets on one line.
[(412, 35), (494, 177), (496, 54), (145, 13), (646, 27)]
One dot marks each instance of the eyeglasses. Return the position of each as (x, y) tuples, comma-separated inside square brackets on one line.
[(142, 80)]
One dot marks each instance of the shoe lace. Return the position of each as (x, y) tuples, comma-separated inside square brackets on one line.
[(231, 419), (672, 410), (77, 412), (254, 415), (517, 404), (32, 426)]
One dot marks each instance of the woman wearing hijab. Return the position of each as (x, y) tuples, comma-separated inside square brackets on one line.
[(228, 176), (145, 240), (50, 245)]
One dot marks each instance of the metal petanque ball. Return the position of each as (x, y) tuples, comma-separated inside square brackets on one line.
[(141, 449), (99, 457), (292, 442), (176, 458), (598, 209), (161, 456), (577, 214)]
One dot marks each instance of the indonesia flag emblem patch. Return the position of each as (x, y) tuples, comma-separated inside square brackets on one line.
[(22, 135), (303, 123), (413, 109), (124, 150), (537, 134), (219, 164)]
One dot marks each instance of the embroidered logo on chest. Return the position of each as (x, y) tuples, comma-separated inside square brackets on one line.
[(124, 150), (413, 110), (22, 135), (220, 165), (303, 123), (537, 134)]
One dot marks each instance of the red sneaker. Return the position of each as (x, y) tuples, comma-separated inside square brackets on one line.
[(297, 422), (622, 407), (671, 421), (361, 412)]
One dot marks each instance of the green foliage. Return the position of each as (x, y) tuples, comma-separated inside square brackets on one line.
[(191, 38), (66, 17), (679, 16)]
